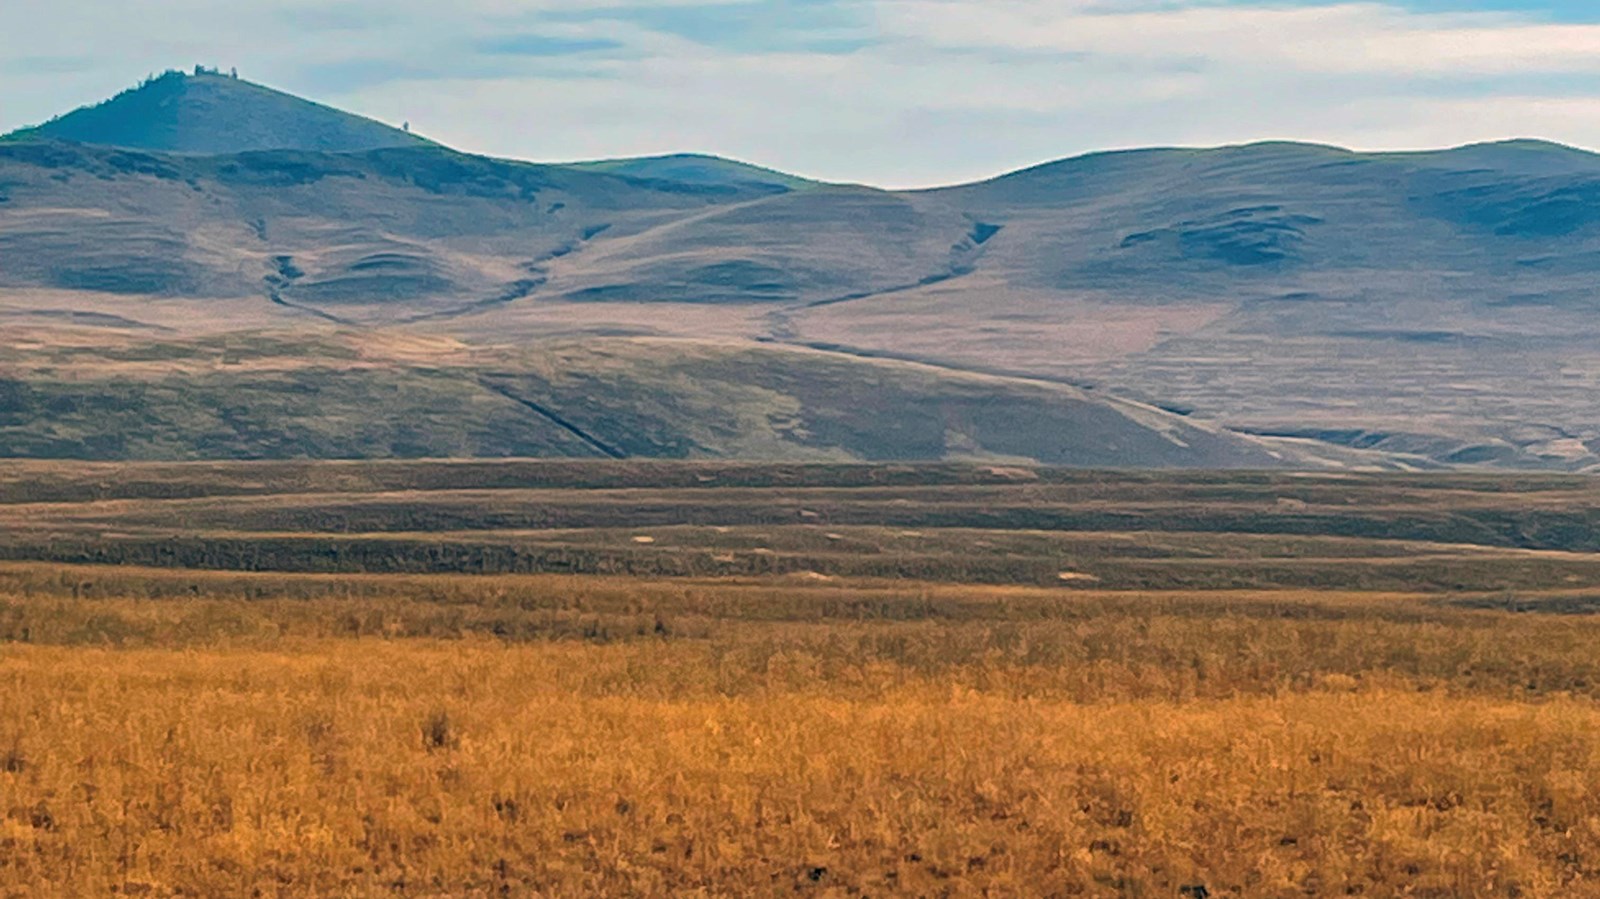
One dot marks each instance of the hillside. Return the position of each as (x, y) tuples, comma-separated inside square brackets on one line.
[(341, 394), (1436, 305), (209, 112), (411, 231)]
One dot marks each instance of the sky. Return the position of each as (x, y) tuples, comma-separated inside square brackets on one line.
[(896, 93)]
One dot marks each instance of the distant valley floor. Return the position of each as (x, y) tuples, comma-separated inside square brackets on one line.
[(1472, 538)]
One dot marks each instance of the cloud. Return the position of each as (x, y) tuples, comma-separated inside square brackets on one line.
[(900, 92), (819, 26), (544, 45), (1347, 38)]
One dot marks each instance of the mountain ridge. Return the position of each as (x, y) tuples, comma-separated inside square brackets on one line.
[(1433, 305)]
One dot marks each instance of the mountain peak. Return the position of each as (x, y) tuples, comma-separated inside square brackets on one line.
[(208, 112)]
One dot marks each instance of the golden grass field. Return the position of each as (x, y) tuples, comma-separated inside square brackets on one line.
[(233, 737), (762, 681)]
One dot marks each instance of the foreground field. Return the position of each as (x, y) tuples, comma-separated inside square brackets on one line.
[(834, 681), (213, 734)]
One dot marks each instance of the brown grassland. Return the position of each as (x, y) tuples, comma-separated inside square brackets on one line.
[(177, 732)]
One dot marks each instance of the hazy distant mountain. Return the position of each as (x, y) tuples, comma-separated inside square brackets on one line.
[(210, 112), (1438, 305)]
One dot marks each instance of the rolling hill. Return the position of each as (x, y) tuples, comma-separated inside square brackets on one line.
[(699, 168), (1403, 306)]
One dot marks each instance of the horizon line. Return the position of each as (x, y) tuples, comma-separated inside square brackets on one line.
[(231, 75)]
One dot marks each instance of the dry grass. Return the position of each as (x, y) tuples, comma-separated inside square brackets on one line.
[(763, 739)]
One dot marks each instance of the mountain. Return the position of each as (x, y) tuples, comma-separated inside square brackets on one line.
[(1431, 308), (208, 112)]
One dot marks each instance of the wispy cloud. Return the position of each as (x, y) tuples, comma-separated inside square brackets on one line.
[(544, 45)]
